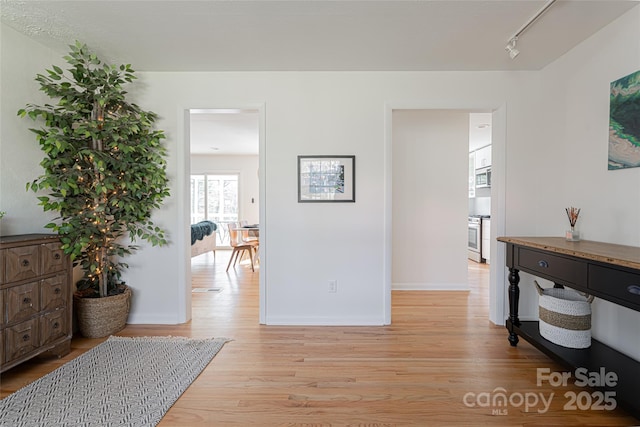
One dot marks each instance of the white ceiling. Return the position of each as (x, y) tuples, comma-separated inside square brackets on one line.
[(228, 35), (479, 130), (306, 35), (228, 132)]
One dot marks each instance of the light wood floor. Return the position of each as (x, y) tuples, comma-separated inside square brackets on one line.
[(416, 372)]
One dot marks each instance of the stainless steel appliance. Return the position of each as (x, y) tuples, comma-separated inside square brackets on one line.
[(483, 178), (474, 245)]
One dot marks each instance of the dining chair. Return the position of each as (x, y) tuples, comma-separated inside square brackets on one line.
[(248, 235), (239, 246)]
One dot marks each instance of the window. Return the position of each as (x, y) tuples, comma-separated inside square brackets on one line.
[(215, 198)]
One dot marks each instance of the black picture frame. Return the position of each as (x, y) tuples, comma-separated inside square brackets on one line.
[(326, 179)]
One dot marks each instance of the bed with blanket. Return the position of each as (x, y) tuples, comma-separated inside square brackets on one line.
[(203, 238)]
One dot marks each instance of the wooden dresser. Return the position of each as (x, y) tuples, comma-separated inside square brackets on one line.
[(35, 297)]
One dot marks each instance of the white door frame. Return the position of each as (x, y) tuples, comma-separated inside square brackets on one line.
[(184, 214)]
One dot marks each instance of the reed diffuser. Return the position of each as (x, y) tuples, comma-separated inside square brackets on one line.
[(572, 235)]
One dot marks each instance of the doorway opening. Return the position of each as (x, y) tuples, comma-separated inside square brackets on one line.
[(224, 187), (427, 149)]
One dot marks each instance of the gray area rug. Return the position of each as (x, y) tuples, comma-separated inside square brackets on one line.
[(120, 382)]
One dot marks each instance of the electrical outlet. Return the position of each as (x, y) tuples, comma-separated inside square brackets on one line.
[(333, 286)]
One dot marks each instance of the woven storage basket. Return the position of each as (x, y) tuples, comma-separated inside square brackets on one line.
[(101, 317), (565, 317)]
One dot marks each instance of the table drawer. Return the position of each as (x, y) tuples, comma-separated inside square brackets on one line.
[(616, 283), (552, 267)]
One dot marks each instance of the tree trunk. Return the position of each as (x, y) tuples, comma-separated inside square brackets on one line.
[(103, 259)]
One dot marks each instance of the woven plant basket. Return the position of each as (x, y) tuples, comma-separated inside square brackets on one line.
[(101, 317), (565, 317)]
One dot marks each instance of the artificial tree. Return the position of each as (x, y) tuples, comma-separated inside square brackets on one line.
[(104, 166)]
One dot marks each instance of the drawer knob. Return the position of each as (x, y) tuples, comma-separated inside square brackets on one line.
[(57, 291), (26, 337), (634, 289), (56, 325), (26, 300), (25, 263), (544, 264), (56, 256)]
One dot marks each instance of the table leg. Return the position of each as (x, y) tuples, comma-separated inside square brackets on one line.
[(514, 298)]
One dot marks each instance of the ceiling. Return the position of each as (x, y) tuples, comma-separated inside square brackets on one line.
[(479, 130), (313, 35), (237, 35), (224, 132)]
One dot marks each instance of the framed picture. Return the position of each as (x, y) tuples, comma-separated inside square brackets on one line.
[(624, 125), (326, 179)]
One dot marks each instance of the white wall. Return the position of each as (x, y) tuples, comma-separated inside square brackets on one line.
[(247, 169), (306, 245), (574, 167), (430, 199), (20, 154), (555, 156)]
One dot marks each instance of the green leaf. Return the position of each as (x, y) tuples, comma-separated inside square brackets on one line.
[(53, 75)]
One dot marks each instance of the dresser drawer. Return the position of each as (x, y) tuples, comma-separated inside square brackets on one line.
[(21, 302), (553, 267), (21, 263), (616, 283), (53, 326), (21, 339), (54, 292), (52, 258)]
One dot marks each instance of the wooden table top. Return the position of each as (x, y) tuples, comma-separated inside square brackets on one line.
[(626, 256)]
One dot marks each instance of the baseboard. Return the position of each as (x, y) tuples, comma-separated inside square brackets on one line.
[(152, 320), (404, 286), (324, 321)]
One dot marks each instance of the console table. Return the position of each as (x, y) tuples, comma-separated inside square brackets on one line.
[(607, 271)]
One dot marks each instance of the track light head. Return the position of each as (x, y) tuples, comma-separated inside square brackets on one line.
[(511, 48)]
